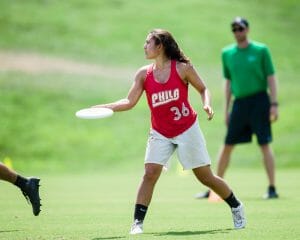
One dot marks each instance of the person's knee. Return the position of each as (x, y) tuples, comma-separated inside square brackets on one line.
[(151, 175)]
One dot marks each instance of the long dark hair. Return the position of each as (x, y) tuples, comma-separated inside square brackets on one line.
[(171, 47)]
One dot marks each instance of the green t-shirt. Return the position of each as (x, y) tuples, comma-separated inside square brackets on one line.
[(247, 68)]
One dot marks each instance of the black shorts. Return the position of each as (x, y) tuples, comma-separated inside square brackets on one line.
[(250, 115)]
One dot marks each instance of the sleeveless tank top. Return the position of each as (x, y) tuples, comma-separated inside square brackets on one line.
[(171, 112)]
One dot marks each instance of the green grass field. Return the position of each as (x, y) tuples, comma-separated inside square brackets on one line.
[(100, 206), (90, 169)]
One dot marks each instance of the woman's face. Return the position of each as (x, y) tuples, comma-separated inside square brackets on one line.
[(151, 50)]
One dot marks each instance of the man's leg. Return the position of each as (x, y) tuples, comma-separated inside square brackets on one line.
[(224, 159), (269, 164)]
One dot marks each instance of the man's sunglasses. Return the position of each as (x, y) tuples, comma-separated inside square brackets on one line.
[(237, 29)]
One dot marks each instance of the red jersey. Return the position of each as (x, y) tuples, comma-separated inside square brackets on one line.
[(171, 112)]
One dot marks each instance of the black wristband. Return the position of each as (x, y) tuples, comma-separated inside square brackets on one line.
[(274, 104)]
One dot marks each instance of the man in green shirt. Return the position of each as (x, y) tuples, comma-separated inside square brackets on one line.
[(249, 78)]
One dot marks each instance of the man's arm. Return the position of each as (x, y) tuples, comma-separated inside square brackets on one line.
[(273, 98), (227, 100)]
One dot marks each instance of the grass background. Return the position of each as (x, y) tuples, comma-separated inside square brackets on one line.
[(100, 206), (41, 136), (112, 33)]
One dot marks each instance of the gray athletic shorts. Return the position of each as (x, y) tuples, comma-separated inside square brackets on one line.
[(190, 145)]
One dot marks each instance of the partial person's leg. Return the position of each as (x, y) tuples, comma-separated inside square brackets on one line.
[(223, 162), (151, 175), (144, 196), (261, 125), (28, 186), (11, 176), (219, 186), (269, 164), (224, 159), (7, 174)]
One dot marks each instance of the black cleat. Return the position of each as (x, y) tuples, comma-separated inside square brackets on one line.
[(271, 193), (202, 195), (31, 193)]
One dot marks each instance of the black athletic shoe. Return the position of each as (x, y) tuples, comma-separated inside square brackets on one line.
[(271, 193), (202, 195), (31, 193)]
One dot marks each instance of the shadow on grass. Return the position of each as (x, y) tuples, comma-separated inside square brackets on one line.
[(8, 231), (107, 238), (191, 233), (173, 233)]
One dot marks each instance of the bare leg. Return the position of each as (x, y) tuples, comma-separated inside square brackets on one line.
[(224, 159), (7, 174), (223, 162), (29, 187), (269, 163), (217, 184), (145, 192)]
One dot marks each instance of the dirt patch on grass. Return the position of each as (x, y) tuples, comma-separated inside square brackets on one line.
[(33, 63)]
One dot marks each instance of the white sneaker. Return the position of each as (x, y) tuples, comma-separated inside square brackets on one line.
[(136, 228), (238, 216)]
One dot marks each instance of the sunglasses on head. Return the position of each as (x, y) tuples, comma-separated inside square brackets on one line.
[(237, 29)]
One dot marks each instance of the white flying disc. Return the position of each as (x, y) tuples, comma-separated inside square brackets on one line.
[(94, 113)]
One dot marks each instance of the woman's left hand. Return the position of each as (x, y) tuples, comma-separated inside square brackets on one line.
[(209, 111)]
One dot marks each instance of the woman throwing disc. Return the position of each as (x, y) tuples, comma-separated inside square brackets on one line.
[(174, 124)]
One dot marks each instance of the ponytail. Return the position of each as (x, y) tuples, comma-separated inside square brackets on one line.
[(171, 47)]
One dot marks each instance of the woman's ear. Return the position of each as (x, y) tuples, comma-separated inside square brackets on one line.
[(159, 47)]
